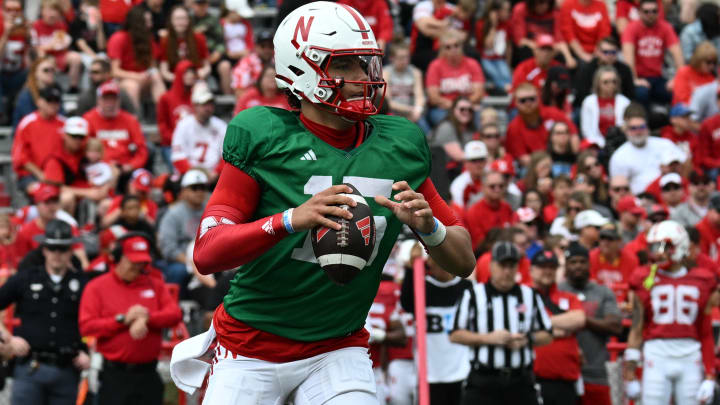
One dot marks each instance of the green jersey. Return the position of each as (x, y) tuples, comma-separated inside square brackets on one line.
[(284, 291)]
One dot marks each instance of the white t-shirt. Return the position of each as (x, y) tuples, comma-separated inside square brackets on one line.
[(201, 145), (641, 165)]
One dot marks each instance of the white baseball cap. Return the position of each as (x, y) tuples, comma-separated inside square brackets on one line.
[(589, 218), (475, 150), (670, 178), (193, 177), (76, 126), (201, 94), (241, 7), (672, 155)]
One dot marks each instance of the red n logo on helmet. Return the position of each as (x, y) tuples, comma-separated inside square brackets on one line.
[(303, 29)]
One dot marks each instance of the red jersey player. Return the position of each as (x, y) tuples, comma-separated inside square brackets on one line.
[(671, 316)]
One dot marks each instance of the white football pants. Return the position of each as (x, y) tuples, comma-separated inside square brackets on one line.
[(671, 371), (340, 377)]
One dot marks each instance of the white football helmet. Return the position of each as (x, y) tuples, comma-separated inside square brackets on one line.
[(669, 235), (309, 38)]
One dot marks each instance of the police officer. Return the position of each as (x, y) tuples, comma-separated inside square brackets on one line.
[(47, 343)]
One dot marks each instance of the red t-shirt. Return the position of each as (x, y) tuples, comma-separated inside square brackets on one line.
[(522, 140), (482, 271), (114, 11), (182, 50), (607, 114), (560, 360), (587, 24), (709, 143), (650, 45), (120, 48), (122, 138), (481, 217), (529, 71), (253, 97), (35, 139), (43, 34), (65, 168), (13, 55), (628, 9), (709, 239), (686, 81), (528, 25), (611, 273), (454, 81)]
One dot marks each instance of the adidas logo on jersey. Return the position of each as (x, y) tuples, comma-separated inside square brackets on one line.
[(309, 155)]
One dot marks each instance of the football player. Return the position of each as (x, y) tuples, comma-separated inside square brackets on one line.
[(671, 321), (285, 332)]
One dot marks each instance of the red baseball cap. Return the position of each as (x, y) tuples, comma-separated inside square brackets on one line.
[(110, 235), (136, 249), (45, 192), (629, 204), (502, 166), (544, 40), (109, 87), (142, 179)]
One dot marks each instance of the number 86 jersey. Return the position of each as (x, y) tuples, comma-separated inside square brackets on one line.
[(675, 304)]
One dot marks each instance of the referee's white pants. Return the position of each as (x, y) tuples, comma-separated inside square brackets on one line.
[(340, 377), (666, 374)]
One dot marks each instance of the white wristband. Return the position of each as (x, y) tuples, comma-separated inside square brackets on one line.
[(436, 237), (632, 355)]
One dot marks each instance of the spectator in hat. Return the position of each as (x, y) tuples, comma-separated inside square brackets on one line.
[(606, 55), (208, 24), (674, 190), (198, 138), (535, 69), (557, 365), (682, 130), (504, 166), (120, 132), (583, 24), (671, 162), (47, 345), (247, 71), (644, 43), (466, 189), (264, 92), (238, 30), (528, 131), (65, 167), (709, 228), (556, 90), (36, 137), (709, 142), (180, 223), (126, 309), (587, 223), (139, 185), (630, 215), (640, 157), (404, 90), (491, 211), (602, 319), (182, 42), (451, 75), (609, 263), (533, 227), (694, 209), (530, 21), (100, 71), (41, 74), (604, 108), (701, 69)]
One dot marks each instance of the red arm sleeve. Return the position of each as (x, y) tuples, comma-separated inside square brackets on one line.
[(140, 156), (90, 320), (439, 207), (225, 239), (168, 314)]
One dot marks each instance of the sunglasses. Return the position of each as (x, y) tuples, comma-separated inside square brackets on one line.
[(451, 46), (650, 11), (524, 100), (76, 136), (491, 136), (496, 186), (620, 188), (671, 187), (609, 52), (657, 218), (701, 183), (478, 160), (48, 70), (61, 249), (198, 187), (465, 109), (637, 127)]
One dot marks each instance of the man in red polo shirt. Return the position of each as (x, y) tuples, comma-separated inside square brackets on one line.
[(709, 229), (535, 69), (609, 263), (126, 309), (557, 365), (491, 211), (118, 130), (36, 136), (528, 131)]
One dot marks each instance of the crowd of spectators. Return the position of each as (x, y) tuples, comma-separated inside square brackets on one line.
[(612, 123)]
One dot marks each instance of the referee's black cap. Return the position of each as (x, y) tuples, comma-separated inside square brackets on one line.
[(505, 252), (545, 258)]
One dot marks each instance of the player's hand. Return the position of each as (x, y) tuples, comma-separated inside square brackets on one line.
[(632, 389), (315, 211), (138, 329), (706, 392), (20, 347), (81, 361), (412, 209), (500, 337)]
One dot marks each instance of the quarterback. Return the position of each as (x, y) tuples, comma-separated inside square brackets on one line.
[(671, 321), (285, 331)]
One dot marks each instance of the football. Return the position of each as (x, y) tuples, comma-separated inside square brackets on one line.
[(343, 254)]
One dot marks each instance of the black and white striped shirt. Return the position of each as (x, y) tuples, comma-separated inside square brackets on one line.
[(485, 310)]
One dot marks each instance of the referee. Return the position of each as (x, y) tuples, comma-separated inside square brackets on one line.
[(502, 322)]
